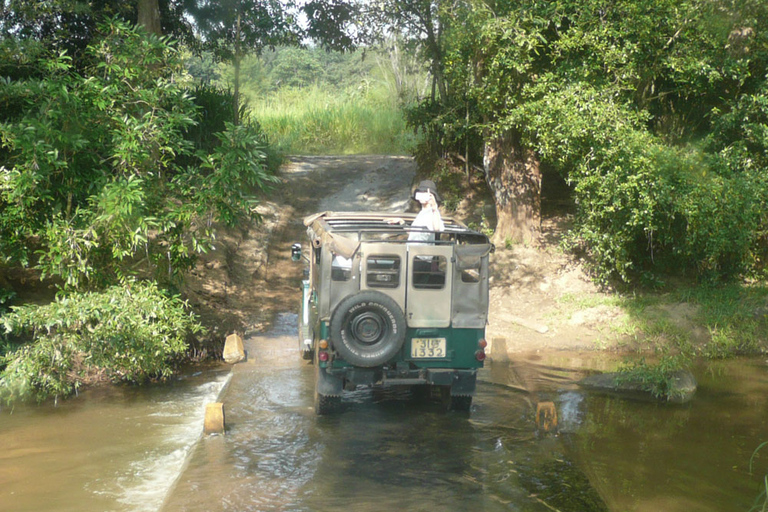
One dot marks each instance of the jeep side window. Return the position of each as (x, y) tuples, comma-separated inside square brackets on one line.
[(383, 271), (341, 268), (429, 272)]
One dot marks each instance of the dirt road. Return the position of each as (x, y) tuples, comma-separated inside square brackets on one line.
[(540, 299)]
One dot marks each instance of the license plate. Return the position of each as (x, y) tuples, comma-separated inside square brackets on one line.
[(427, 348)]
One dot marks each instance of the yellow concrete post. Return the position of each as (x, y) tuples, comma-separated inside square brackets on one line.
[(214, 418), (234, 352)]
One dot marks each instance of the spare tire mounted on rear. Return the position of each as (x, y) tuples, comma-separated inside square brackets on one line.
[(368, 328)]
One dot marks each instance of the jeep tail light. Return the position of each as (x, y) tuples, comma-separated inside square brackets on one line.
[(323, 356), (323, 344), (480, 354)]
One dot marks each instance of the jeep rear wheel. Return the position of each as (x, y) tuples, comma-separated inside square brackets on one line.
[(368, 328)]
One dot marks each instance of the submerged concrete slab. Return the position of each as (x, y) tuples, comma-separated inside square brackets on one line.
[(682, 386)]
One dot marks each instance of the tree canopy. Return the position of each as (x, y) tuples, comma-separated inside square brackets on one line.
[(654, 111), (99, 167)]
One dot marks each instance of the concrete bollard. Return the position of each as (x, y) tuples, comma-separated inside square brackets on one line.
[(499, 352), (233, 349), (214, 418)]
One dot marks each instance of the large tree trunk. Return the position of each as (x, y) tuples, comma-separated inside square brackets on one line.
[(149, 16), (514, 176)]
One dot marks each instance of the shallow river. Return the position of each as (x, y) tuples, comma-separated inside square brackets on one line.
[(136, 449)]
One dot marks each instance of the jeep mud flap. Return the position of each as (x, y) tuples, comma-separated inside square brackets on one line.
[(327, 384), (462, 382)]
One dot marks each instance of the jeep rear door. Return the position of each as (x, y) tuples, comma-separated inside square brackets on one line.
[(428, 292)]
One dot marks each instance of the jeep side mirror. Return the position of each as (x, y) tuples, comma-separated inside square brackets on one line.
[(296, 252)]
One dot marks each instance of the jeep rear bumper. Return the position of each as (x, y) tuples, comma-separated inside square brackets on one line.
[(462, 382)]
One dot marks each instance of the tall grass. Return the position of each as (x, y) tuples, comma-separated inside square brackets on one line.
[(318, 120)]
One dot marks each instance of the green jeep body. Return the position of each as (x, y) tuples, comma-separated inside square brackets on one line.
[(378, 309)]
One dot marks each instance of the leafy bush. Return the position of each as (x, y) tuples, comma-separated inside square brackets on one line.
[(643, 207), (215, 106), (100, 174), (130, 332), (234, 169)]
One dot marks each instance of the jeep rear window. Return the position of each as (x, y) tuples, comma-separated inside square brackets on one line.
[(383, 271), (429, 272)]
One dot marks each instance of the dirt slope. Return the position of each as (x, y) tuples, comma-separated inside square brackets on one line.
[(540, 300)]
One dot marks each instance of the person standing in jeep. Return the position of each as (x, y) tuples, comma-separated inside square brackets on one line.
[(429, 220)]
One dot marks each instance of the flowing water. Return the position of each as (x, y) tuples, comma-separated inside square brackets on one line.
[(136, 449)]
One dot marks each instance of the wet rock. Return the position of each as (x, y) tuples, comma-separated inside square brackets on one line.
[(681, 386), (233, 349)]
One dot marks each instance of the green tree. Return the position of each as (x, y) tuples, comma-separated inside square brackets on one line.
[(233, 28), (617, 96), (98, 174), (70, 25)]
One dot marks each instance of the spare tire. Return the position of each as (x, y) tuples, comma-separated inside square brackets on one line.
[(368, 328)]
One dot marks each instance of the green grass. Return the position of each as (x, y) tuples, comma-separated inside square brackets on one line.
[(317, 120), (722, 321), (735, 316)]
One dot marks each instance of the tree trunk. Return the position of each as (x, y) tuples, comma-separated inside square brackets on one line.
[(514, 176), (149, 16), (238, 57)]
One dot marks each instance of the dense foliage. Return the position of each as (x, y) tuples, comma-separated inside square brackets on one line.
[(655, 112), (110, 167), (130, 332), (97, 171)]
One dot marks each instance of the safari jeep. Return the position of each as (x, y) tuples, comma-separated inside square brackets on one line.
[(380, 310)]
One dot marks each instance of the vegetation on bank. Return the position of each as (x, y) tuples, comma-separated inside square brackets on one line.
[(130, 332), (112, 169)]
